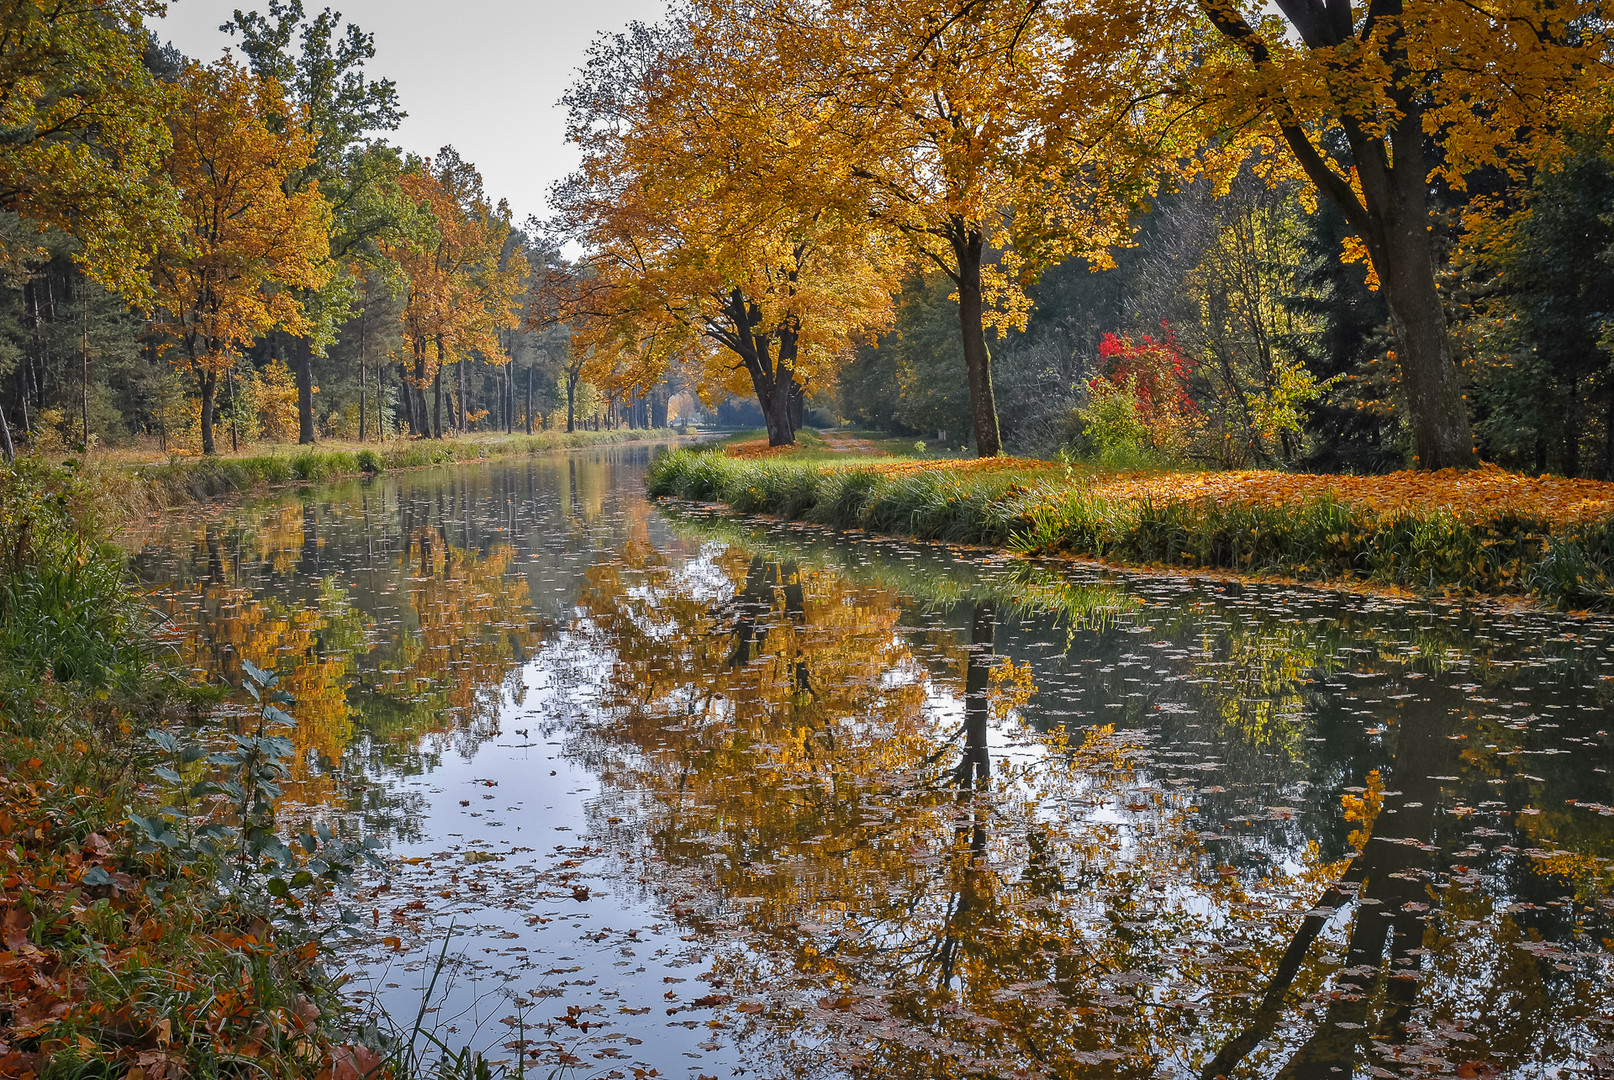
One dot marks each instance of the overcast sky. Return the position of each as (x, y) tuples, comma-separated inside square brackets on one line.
[(484, 75)]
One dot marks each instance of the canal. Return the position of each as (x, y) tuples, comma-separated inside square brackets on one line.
[(664, 793)]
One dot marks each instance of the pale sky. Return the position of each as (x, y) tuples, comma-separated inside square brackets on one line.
[(484, 75)]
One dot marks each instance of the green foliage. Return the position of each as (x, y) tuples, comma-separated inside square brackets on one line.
[(246, 851), (65, 612)]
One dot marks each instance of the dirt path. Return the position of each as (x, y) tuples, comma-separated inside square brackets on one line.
[(846, 444)]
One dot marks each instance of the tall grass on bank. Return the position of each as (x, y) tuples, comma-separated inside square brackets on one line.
[(1037, 512), (173, 484)]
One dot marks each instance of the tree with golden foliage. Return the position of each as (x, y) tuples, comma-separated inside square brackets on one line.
[(710, 230), (247, 245), (972, 127), (464, 275), (1382, 104), (84, 135)]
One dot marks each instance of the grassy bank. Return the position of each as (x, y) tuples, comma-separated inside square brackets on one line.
[(154, 921), (1487, 533), (204, 478)]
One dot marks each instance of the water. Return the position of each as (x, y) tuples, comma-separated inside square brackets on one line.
[(675, 793)]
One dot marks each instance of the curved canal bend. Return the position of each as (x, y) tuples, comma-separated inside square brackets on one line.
[(714, 798)]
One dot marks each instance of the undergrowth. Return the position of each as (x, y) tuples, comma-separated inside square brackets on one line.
[(1569, 565), (155, 924)]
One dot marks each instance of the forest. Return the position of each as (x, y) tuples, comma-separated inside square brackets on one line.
[(1160, 237)]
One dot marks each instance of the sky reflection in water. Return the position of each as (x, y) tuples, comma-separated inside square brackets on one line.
[(724, 799)]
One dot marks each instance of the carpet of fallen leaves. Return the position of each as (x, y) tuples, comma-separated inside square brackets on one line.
[(1472, 495), (756, 448), (92, 969), (1475, 494)]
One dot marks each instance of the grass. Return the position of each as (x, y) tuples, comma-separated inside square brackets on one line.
[(1461, 533), (190, 479)]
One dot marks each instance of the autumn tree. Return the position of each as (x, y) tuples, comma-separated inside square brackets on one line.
[(967, 124), (1381, 105), (465, 272), (323, 73), (709, 229), (250, 246), (84, 135)]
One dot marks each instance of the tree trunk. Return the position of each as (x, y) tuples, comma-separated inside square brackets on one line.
[(658, 407), (437, 403), (967, 247), (571, 404), (408, 401), (975, 768), (84, 345), (529, 401), (364, 380), (459, 392), (235, 413), (1441, 435), (5, 438), (305, 390), (208, 382)]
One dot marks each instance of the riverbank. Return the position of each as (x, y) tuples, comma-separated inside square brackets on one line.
[(1485, 532), (141, 931), (188, 480)]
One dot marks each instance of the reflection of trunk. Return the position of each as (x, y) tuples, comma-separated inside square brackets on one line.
[(973, 896), (751, 606), (1387, 876), (976, 767), (215, 558), (309, 563)]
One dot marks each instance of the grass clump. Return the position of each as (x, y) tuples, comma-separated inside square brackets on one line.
[(1037, 508)]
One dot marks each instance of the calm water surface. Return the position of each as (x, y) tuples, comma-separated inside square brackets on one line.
[(715, 799)]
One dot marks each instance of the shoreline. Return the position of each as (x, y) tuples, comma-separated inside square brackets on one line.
[(144, 488), (1039, 509)]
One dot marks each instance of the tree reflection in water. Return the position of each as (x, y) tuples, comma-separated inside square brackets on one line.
[(1240, 830), (817, 786)]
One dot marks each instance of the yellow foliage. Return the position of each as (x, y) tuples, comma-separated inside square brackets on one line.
[(275, 396), (1363, 809)]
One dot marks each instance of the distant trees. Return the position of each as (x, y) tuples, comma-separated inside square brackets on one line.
[(323, 74), (464, 271)]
